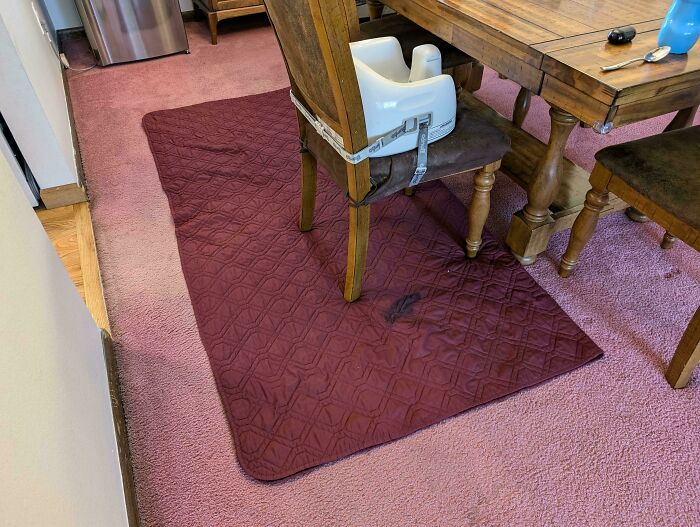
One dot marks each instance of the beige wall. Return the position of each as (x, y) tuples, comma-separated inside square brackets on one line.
[(32, 96), (58, 454)]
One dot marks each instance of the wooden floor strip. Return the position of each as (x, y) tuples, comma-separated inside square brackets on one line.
[(70, 230)]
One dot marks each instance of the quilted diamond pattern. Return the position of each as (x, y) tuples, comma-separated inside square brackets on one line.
[(304, 377)]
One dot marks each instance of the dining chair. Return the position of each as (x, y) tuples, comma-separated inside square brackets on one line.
[(314, 36), (660, 177)]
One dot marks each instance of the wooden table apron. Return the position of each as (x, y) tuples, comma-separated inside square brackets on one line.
[(554, 49)]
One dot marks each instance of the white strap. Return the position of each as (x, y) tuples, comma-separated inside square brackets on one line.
[(409, 126)]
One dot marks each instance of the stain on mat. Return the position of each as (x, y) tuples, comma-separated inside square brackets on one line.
[(403, 306)]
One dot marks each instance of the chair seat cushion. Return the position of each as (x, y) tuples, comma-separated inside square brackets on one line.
[(411, 35), (664, 169), (473, 144)]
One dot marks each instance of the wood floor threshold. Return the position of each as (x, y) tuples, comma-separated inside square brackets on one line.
[(70, 230)]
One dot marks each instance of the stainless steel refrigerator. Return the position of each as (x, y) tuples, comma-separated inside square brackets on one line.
[(126, 30)]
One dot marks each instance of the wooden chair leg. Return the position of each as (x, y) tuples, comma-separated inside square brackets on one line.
[(460, 76), (375, 8), (480, 205), (476, 76), (308, 190), (668, 241), (583, 229), (357, 252), (213, 28), (687, 355)]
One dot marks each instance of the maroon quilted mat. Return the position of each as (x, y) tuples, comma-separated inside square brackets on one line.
[(306, 378)]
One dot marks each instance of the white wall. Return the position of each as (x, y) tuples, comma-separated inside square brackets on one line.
[(32, 96), (58, 452), (64, 14)]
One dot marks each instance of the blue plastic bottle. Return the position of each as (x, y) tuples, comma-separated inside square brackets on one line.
[(681, 28)]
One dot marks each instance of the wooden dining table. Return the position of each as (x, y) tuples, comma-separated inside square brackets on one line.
[(555, 49)]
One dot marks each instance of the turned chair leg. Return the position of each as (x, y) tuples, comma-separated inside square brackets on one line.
[(357, 252), (687, 355), (213, 28), (668, 241), (308, 190), (583, 229), (480, 205)]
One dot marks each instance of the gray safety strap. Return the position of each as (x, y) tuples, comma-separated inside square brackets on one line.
[(419, 124), (422, 166)]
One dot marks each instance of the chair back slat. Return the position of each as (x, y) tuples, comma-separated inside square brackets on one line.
[(315, 36)]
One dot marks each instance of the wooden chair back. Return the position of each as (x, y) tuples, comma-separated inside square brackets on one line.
[(315, 36)]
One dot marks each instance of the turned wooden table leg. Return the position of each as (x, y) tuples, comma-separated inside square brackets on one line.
[(530, 228), (376, 8), (522, 107), (687, 355), (683, 119)]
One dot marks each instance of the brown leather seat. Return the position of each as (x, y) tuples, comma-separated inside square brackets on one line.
[(664, 168), (411, 35), (473, 143)]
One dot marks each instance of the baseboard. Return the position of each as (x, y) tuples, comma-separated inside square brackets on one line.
[(63, 195), (62, 33), (75, 192), (121, 432), (189, 16)]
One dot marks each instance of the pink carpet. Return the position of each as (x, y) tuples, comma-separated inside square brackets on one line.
[(609, 444)]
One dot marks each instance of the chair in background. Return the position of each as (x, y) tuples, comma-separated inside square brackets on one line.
[(314, 36), (218, 10), (660, 177)]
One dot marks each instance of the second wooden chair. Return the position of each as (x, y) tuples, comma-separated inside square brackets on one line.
[(660, 177)]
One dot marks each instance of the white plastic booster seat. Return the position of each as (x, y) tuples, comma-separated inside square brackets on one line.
[(404, 108), (392, 93)]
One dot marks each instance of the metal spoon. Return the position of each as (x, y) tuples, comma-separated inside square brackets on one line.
[(654, 55)]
